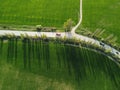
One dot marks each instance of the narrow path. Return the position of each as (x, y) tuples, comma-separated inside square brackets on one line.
[(80, 20)]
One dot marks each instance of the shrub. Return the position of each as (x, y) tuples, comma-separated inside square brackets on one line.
[(38, 28), (68, 25)]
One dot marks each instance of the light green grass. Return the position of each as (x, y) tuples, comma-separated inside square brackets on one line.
[(16, 79), (34, 12), (102, 14)]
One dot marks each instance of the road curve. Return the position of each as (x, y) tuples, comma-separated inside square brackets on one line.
[(71, 34), (62, 35), (87, 39)]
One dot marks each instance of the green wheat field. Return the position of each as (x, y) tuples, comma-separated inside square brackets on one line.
[(34, 12)]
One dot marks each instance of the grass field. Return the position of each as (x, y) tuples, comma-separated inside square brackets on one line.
[(37, 65), (34, 12), (43, 66), (102, 14)]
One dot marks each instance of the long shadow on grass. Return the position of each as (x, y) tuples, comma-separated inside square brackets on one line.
[(79, 63)]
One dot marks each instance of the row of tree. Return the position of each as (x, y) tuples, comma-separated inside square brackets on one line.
[(98, 34), (30, 44)]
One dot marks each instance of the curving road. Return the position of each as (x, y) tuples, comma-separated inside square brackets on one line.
[(71, 34), (62, 34)]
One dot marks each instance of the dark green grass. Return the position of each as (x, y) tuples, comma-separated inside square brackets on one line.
[(102, 14), (58, 67), (34, 12)]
